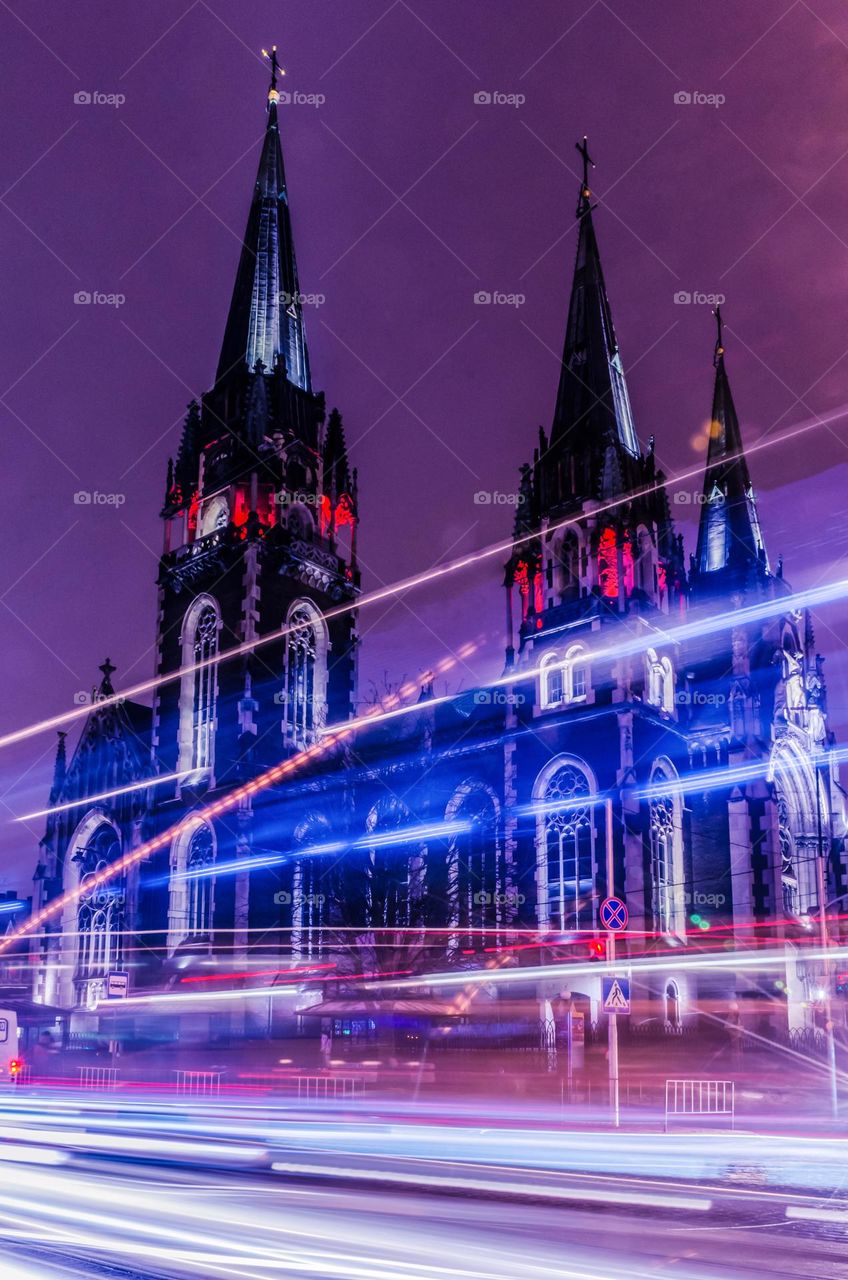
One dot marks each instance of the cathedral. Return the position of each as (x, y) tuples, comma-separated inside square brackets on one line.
[(668, 710)]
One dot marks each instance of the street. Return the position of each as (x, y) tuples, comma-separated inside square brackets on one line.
[(93, 1187)]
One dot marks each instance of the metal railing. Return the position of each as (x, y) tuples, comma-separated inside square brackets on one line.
[(318, 1088), (691, 1099), (98, 1077), (199, 1084)]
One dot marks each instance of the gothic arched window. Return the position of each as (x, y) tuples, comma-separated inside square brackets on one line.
[(100, 916), (308, 898), (200, 883), (198, 695), (305, 696), (565, 846), (394, 868), (659, 681), (665, 833), (564, 679), (191, 905), (475, 888), (788, 869)]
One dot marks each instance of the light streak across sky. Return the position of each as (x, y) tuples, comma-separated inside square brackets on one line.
[(810, 599)]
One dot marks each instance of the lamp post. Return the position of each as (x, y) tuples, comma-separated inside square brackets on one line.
[(825, 943), (614, 1087)]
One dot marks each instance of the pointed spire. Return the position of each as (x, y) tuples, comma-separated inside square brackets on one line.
[(60, 767), (188, 455), (106, 683), (729, 536), (336, 472), (266, 314), (593, 406)]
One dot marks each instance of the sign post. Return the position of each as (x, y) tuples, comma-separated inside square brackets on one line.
[(614, 919)]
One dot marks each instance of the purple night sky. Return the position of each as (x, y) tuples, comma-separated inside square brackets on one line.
[(408, 197)]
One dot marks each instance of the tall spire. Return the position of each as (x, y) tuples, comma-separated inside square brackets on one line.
[(266, 314), (729, 536), (593, 407)]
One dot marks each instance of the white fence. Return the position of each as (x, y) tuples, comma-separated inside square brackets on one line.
[(315, 1088), (199, 1084), (98, 1077), (702, 1099)]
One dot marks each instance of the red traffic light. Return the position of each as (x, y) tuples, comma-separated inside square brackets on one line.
[(597, 949), (15, 1067)]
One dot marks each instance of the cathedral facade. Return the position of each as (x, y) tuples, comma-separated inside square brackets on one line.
[(669, 711)]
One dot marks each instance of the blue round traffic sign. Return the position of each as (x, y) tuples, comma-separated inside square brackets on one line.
[(613, 914)]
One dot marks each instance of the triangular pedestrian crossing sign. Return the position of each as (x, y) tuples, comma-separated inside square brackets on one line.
[(616, 995)]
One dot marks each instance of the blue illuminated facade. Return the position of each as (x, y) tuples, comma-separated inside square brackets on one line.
[(472, 827)]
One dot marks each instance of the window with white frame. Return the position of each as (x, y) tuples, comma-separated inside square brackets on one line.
[(565, 847), (200, 859), (565, 678), (305, 696), (198, 695), (100, 916), (659, 681), (665, 834)]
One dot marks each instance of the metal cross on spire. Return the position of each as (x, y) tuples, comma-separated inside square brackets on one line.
[(583, 148), (276, 70), (719, 346)]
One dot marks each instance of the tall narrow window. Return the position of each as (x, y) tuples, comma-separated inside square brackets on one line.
[(306, 673), (198, 694), (565, 857), (665, 846), (199, 862), (659, 681), (564, 679), (100, 915), (203, 709), (662, 864)]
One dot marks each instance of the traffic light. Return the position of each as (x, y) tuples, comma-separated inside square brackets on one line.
[(597, 949)]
